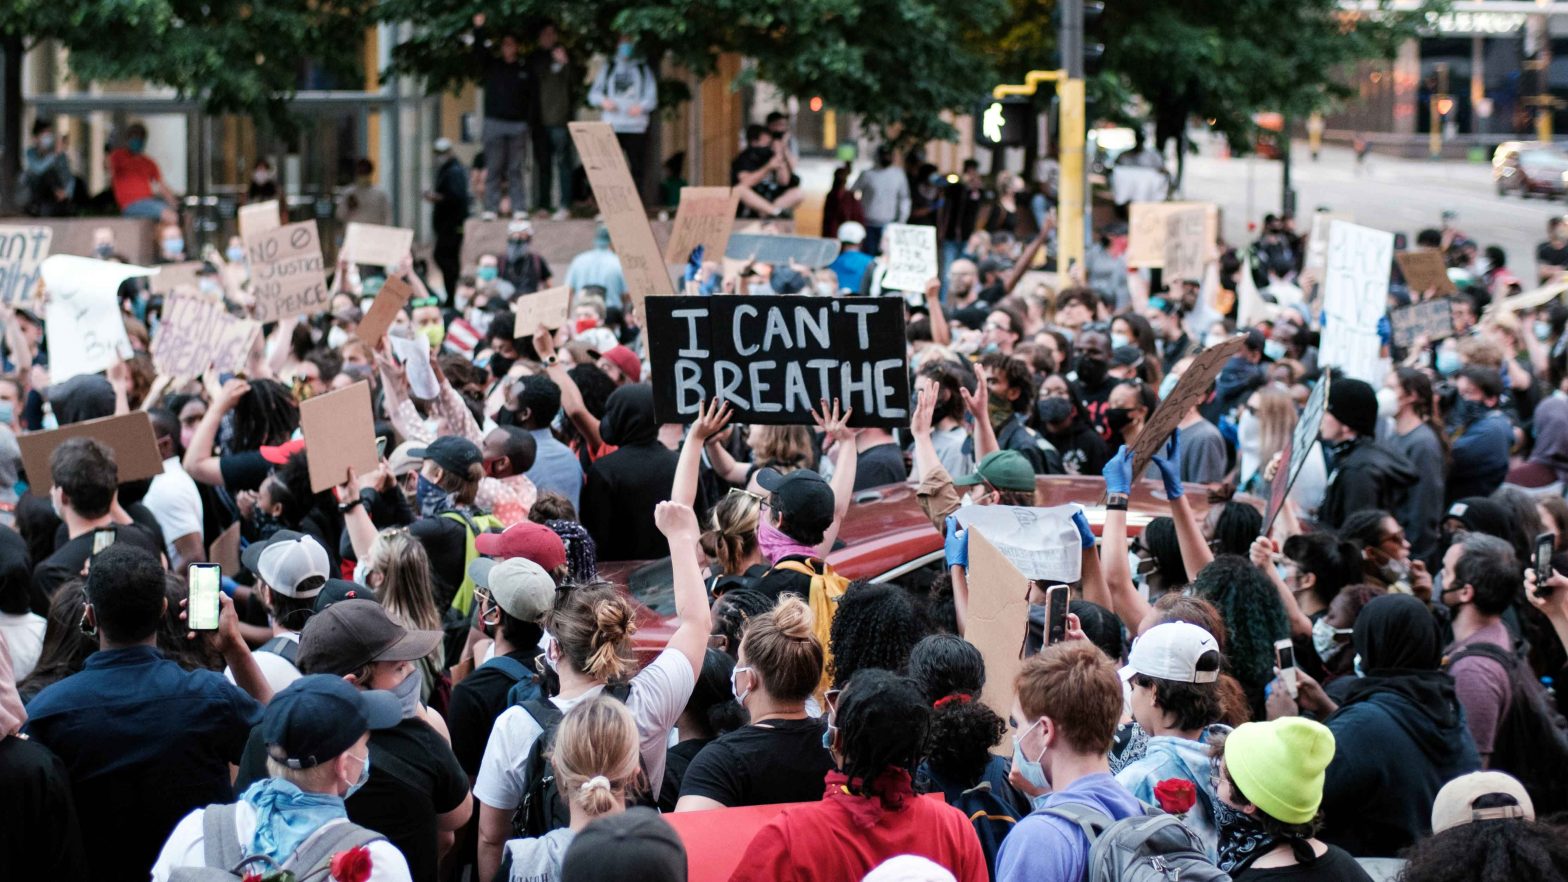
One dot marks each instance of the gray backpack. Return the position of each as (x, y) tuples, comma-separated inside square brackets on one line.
[(227, 861), (1153, 847)]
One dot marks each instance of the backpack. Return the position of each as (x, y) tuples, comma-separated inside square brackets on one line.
[(288, 649), (1152, 847), (827, 588), (992, 816), (525, 683), (463, 601), (543, 808), (1532, 737), (226, 860)]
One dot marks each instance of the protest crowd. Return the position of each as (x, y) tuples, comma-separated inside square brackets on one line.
[(893, 554)]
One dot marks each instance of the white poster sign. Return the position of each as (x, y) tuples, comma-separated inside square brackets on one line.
[(1043, 543), (85, 328), (1355, 298), (911, 256)]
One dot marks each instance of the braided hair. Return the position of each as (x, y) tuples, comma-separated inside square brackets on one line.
[(875, 627), (882, 721), (265, 415)]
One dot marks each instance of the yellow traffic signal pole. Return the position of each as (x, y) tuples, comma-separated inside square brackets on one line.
[(1070, 185)]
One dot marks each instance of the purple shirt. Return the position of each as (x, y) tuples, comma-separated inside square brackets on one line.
[(1045, 848), (1482, 686)]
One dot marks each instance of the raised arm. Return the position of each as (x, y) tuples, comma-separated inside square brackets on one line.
[(977, 401), (1128, 605), (941, 334), (280, 347), (845, 458), (571, 396), (1263, 557), (1026, 259), (678, 523), (1195, 552), (920, 427), (711, 420), (200, 461)]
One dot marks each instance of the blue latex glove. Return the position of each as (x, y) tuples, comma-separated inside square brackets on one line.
[(1170, 465), (1085, 535), (956, 547), (1118, 472)]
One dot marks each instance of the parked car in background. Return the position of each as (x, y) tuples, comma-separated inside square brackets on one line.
[(1530, 168)]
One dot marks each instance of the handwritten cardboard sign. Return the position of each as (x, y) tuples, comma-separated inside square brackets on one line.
[(259, 217), (704, 218), (1146, 231), (1317, 241), (340, 434), (616, 194), (85, 328), (911, 256), (286, 272), (481, 237), (775, 358), (129, 435), (783, 250), (1432, 319), (22, 252), (377, 245), (1297, 447), (1191, 390), (1355, 297), (198, 333), (1425, 271), (1043, 543), (997, 622), (390, 300), (1186, 253), (549, 308)]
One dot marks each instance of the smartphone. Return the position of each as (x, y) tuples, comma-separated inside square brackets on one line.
[(1055, 614), (381, 446), (201, 612), (103, 537), (1544, 545), (1285, 654)]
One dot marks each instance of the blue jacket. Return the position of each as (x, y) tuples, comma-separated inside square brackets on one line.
[(1480, 456)]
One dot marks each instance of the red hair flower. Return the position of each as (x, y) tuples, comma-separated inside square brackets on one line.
[(1176, 795), (352, 865)]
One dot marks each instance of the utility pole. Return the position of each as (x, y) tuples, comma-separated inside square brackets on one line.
[(1441, 103), (1072, 230)]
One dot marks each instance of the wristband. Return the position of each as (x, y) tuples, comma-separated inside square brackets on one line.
[(345, 507), (1116, 502)]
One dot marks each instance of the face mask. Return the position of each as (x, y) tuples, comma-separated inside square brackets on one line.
[(1467, 411), (104, 252), (51, 422), (234, 254), (499, 365), (431, 498), (1119, 340), (174, 246), (999, 409), (7, 413), (1054, 410), (1032, 771), (759, 289), (1118, 418), (826, 289), (1212, 340), (1447, 362), (434, 333), (364, 774), (1355, 665), (1168, 385), (487, 273), (740, 696), (624, 50), (407, 693), (136, 145), (262, 177), (1543, 331), (1273, 350), (46, 142), (1387, 402), (1324, 639), (1091, 371)]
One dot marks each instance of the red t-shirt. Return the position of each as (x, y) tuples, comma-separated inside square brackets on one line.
[(132, 175)]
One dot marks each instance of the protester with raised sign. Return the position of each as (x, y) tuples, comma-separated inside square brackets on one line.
[(1365, 473)]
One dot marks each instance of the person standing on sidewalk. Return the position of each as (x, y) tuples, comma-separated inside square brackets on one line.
[(627, 91), (450, 199), (554, 78), (509, 96), (884, 197)]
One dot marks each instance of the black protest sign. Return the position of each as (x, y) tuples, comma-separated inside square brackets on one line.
[(782, 250), (1294, 457), (1432, 319), (775, 358)]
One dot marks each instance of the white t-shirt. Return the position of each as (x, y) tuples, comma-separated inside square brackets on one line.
[(658, 695), (24, 637), (278, 671), (186, 847), (175, 502)]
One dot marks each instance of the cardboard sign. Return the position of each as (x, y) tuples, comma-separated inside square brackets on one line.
[(174, 277), (286, 272), (550, 308), (1432, 319), (1146, 231), (258, 218), (1529, 300), (1355, 297), (1425, 271), (481, 237), (1043, 543), (22, 252), (129, 435), (377, 245), (1251, 308), (775, 358), (624, 215), (1191, 390), (784, 250), (85, 329), (1297, 447), (390, 300), (340, 434), (198, 333), (911, 256), (997, 623), (1185, 251), (225, 550), (704, 218)]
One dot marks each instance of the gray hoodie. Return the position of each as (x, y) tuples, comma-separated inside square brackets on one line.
[(626, 81), (539, 860)]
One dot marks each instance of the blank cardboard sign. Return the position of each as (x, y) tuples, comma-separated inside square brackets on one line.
[(390, 300), (549, 308), (624, 214), (704, 218), (225, 550), (996, 623), (377, 245), (129, 435), (340, 434), (1424, 271), (258, 218)]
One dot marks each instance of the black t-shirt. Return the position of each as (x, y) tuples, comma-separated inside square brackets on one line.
[(40, 838), (413, 779), (770, 762), (778, 581), (243, 471), (474, 705), (676, 761), (1548, 254), (1334, 865), (879, 465), (67, 561)]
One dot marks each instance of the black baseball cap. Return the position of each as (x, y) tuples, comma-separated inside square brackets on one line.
[(801, 495), (348, 635), (635, 844), (319, 716), (339, 590), (450, 452)]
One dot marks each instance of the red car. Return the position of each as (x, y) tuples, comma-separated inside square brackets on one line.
[(885, 537)]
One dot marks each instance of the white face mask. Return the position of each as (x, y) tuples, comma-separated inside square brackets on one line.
[(336, 337), (1387, 402)]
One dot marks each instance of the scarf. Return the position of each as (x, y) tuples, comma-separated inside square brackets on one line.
[(431, 498), (776, 546), (12, 713), (286, 816), (890, 791)]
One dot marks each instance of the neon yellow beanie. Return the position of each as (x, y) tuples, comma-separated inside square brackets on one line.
[(1279, 766)]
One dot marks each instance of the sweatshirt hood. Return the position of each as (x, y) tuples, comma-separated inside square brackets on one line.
[(628, 417)]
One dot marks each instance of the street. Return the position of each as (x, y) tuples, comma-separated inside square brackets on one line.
[(1398, 195)]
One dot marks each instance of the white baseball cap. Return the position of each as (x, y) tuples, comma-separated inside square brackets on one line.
[(285, 565), (851, 232), (1171, 652)]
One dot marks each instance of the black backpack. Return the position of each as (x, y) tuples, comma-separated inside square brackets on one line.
[(1532, 737), (543, 808)]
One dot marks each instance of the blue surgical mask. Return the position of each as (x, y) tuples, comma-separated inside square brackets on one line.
[(407, 692), (136, 145), (1273, 349), (1543, 331), (1031, 770), (1447, 362), (364, 773), (624, 50), (1119, 340), (234, 254), (7, 413), (1168, 385), (487, 273), (175, 245)]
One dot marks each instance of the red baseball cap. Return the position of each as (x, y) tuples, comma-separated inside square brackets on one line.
[(626, 360), (279, 454), (536, 542)]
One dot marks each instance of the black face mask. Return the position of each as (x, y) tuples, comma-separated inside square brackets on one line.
[(506, 417), (1092, 371), (499, 365), (1117, 418)]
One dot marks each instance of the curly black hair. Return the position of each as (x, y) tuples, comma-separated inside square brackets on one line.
[(1254, 619), (941, 611), (1333, 562), (733, 611), (595, 386), (882, 722), (875, 627), (1235, 528), (1491, 851), (267, 414), (1100, 625), (1159, 539), (951, 674)]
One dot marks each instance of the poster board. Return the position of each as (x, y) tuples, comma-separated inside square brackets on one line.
[(1185, 253), (1317, 243), (377, 245), (481, 237), (414, 355), (1425, 271), (550, 308), (1528, 300), (1355, 297), (775, 358), (911, 256), (1251, 308), (340, 434), (997, 623), (84, 326), (1146, 231), (1191, 390), (783, 250), (129, 435), (198, 333), (22, 253), (1041, 541), (174, 277), (1297, 447), (1433, 319), (704, 218), (286, 272), (390, 300), (259, 217), (225, 550), (624, 215)]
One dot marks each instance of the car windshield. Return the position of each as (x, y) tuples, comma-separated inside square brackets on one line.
[(653, 584), (1545, 157)]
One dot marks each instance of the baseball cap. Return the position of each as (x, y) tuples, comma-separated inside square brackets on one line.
[(1455, 803), (319, 716), (338, 590), (402, 461), (250, 558), (801, 495), (626, 360), (526, 539), (1171, 652), (446, 544), (450, 452), (519, 586), (1002, 469), (442, 145), (635, 844), (851, 233), (786, 280), (278, 454), (346, 636), (285, 565)]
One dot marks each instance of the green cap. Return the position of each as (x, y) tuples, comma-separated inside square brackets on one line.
[(1279, 766), (1004, 470)]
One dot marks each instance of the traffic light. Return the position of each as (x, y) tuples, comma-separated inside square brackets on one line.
[(1093, 48), (1078, 47), (1005, 123)]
